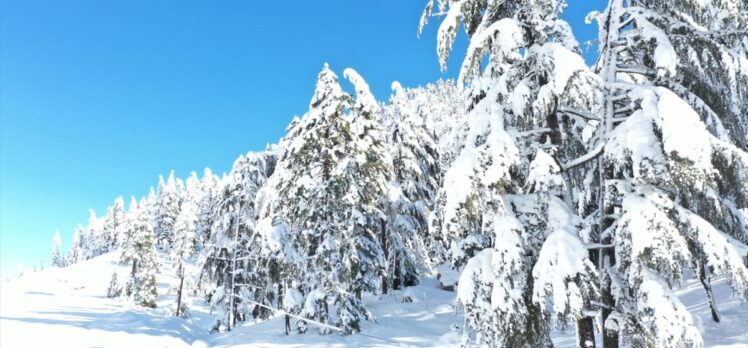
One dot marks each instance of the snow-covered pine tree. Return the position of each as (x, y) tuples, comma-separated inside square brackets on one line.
[(415, 181), (664, 187), (279, 249), (152, 204), (166, 210), (93, 239), (209, 191), (228, 260), (370, 168), (182, 249), (76, 253), (709, 41), (57, 259), (114, 225), (192, 190), (140, 251), (505, 186), (435, 112), (181, 191), (306, 198), (330, 180)]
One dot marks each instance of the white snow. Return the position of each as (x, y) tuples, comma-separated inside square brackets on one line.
[(363, 94), (682, 129), (67, 307), (504, 38), (562, 259)]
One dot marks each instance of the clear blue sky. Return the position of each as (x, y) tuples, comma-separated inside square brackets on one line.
[(97, 98)]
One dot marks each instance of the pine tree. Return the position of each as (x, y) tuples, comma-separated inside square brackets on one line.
[(113, 225), (183, 248), (93, 239), (229, 259), (370, 168), (330, 180), (57, 259), (76, 253), (505, 186), (416, 174), (708, 40), (206, 207), (432, 115), (653, 197), (284, 263), (166, 210), (140, 251), (310, 192), (192, 190)]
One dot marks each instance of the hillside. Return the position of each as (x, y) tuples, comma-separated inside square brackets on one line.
[(67, 307)]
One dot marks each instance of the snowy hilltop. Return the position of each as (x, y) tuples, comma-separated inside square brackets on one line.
[(534, 202)]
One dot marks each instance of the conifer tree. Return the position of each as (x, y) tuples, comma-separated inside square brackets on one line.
[(166, 210), (370, 167), (416, 174), (139, 250), (94, 239), (206, 207), (183, 248), (76, 253), (331, 177), (114, 225), (229, 259), (665, 186), (284, 261), (57, 259), (505, 187)]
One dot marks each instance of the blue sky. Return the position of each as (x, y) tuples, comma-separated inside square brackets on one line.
[(97, 98)]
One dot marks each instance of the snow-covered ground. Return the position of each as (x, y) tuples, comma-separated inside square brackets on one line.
[(68, 308)]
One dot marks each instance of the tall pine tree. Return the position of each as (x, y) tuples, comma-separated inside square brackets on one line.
[(139, 250)]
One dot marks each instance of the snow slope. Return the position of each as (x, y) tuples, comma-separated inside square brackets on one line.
[(67, 307)]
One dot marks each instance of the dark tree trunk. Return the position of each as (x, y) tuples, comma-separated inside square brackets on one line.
[(586, 332), (586, 324), (610, 337), (397, 280), (385, 249), (706, 282), (286, 318), (181, 287)]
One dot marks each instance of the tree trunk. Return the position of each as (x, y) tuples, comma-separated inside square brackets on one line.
[(132, 276), (397, 279), (181, 287), (706, 282), (383, 239), (286, 318), (607, 255), (586, 332), (586, 324), (232, 315)]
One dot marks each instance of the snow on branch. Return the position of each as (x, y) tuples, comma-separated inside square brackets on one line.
[(505, 31), (597, 151), (363, 94), (582, 114)]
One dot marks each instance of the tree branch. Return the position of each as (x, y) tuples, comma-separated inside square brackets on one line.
[(582, 114), (632, 69), (584, 158)]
